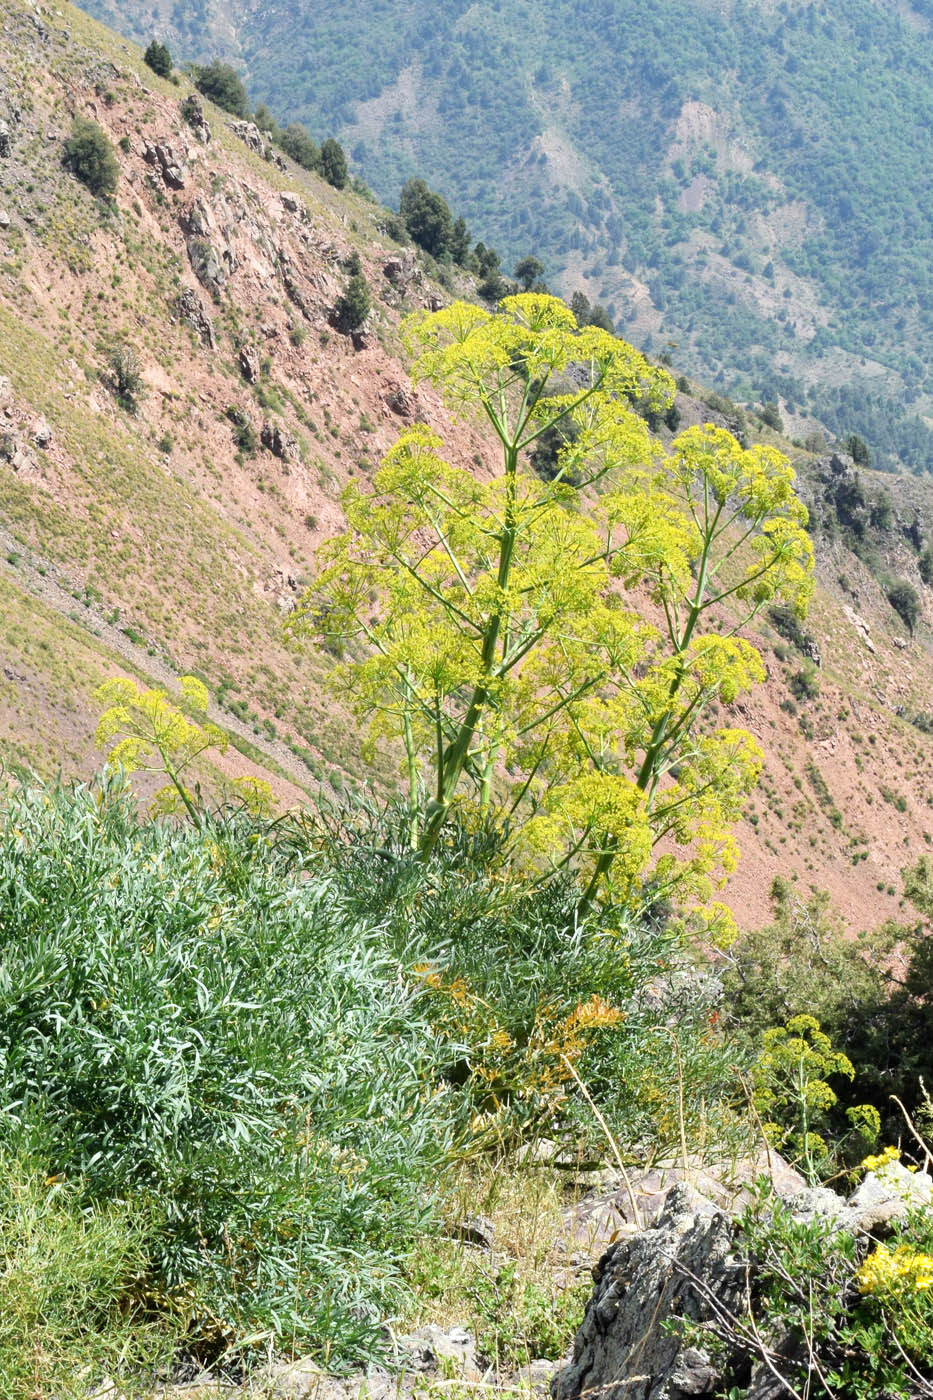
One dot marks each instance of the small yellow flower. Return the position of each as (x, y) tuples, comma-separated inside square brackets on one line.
[(889, 1271), (881, 1159)]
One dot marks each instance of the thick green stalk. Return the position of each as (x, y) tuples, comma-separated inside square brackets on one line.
[(454, 757)]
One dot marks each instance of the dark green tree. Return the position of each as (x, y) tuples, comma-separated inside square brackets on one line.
[(297, 142), (158, 59), (600, 317), (857, 449), (353, 306), (89, 155), (460, 242), (580, 306), (221, 84), (333, 163), (427, 218), (905, 601), (529, 271), (771, 417)]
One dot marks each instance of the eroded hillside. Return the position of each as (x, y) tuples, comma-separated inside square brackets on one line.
[(170, 532)]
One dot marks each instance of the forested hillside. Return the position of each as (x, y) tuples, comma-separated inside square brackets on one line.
[(750, 182)]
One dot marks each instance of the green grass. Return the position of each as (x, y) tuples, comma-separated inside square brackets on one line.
[(73, 1302)]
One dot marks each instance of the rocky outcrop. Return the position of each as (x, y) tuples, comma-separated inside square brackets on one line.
[(17, 455), (278, 442), (210, 264), (401, 401), (169, 162), (250, 135), (6, 141), (250, 364), (293, 205), (190, 310), (623, 1350), (193, 112), (638, 1338)]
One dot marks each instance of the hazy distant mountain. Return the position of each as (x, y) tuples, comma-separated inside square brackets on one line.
[(751, 181)]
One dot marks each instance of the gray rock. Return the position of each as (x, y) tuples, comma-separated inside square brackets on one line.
[(279, 443), (400, 401), (6, 142), (190, 310), (169, 163), (477, 1230), (250, 135), (402, 270), (250, 364), (293, 204), (198, 219), (538, 1374), (818, 1203), (5, 220), (17, 454), (207, 263), (424, 1349), (628, 1346), (6, 390), (42, 434), (886, 1196)]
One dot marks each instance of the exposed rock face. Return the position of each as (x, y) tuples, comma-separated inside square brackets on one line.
[(250, 364), (400, 401), (18, 455), (208, 264), (279, 443), (193, 113), (402, 271), (621, 1351), (190, 309), (169, 162), (685, 1267), (250, 135), (5, 140), (293, 204)]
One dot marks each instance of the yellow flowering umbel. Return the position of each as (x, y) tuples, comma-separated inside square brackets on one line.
[(484, 622), (154, 735)]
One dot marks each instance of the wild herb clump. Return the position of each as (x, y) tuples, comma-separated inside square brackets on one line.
[(276, 1037), (189, 1018)]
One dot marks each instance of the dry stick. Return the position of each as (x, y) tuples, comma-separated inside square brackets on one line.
[(927, 1387), (733, 1330), (808, 1338), (909, 1121), (763, 1349), (636, 1213), (749, 1099)]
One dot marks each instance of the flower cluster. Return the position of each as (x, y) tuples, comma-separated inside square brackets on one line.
[(895, 1271), (881, 1159)]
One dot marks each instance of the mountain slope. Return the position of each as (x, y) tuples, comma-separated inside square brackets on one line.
[(172, 538), (749, 180)]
